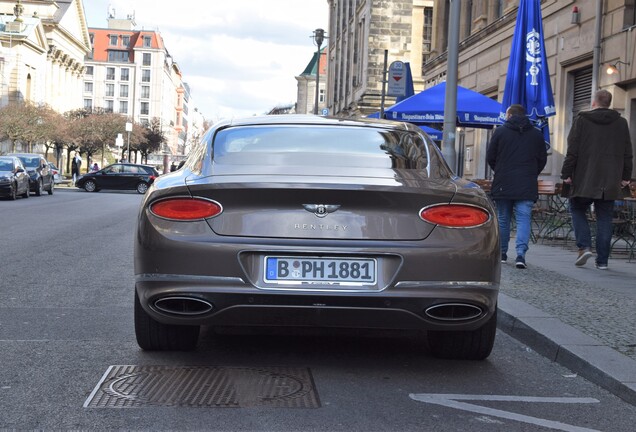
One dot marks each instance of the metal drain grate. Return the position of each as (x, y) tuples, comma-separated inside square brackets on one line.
[(232, 387)]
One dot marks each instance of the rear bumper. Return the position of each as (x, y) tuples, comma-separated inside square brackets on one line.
[(236, 303)]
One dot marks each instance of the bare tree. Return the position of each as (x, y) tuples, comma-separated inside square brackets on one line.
[(154, 138)]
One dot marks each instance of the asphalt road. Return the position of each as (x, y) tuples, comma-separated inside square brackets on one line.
[(69, 359)]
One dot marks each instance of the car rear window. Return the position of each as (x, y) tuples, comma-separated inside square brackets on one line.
[(325, 146)]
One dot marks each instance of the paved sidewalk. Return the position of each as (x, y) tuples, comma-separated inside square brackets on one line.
[(580, 317)]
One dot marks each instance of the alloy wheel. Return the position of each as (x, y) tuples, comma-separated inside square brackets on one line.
[(90, 186)]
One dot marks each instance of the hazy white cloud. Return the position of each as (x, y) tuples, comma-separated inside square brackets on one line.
[(239, 57)]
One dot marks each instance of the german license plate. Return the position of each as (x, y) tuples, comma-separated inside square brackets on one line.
[(349, 271)]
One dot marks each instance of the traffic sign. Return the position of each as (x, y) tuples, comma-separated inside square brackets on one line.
[(397, 79), (325, 111)]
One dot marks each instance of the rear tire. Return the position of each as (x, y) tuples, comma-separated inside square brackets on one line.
[(155, 336), (90, 186), (464, 345), (142, 187)]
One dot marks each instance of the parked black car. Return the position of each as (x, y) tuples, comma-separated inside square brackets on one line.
[(40, 174), (14, 179), (121, 176)]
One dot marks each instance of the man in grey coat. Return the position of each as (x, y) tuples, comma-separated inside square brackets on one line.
[(597, 165)]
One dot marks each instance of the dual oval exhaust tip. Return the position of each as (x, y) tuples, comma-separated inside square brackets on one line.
[(181, 305), (454, 312)]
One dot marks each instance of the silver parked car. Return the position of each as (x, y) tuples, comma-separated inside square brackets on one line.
[(317, 222)]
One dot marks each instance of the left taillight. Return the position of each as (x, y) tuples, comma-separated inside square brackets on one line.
[(186, 209), (455, 215)]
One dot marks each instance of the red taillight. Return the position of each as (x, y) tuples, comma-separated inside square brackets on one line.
[(186, 209), (455, 215), (152, 177)]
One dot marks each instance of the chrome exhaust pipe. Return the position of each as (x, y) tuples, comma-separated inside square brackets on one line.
[(454, 312), (183, 305)]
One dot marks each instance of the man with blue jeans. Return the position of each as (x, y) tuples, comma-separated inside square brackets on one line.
[(598, 163), (517, 154)]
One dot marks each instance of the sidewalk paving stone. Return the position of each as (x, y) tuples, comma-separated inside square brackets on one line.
[(580, 317)]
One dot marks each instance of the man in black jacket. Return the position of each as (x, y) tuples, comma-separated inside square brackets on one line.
[(597, 165), (517, 153)]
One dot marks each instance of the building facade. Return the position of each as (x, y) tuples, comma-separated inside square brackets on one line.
[(130, 72), (43, 44), (570, 40), (306, 97), (360, 31)]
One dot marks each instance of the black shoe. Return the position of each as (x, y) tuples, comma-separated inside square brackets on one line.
[(504, 257), (520, 262)]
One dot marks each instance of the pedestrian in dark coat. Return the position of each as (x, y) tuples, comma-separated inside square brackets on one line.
[(76, 163), (517, 154), (598, 163)]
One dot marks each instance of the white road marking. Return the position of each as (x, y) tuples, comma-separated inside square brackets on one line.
[(451, 401)]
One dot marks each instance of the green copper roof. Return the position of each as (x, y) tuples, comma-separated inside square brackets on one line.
[(311, 66)]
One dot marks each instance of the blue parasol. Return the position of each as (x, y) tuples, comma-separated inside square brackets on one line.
[(473, 108), (528, 78)]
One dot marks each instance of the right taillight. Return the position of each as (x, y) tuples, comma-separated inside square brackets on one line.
[(455, 215), (186, 209)]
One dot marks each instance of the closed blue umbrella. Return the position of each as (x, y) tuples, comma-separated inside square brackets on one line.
[(528, 78)]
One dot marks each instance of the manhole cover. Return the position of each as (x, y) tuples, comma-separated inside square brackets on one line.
[(202, 386)]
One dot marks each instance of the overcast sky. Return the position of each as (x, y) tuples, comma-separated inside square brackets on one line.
[(239, 57)]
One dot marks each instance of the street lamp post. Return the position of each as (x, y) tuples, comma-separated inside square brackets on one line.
[(319, 37), (128, 129)]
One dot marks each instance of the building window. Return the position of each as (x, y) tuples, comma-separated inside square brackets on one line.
[(144, 121), (110, 73), (147, 41), (123, 90), (145, 92), (125, 74), (125, 41), (88, 103), (110, 90), (109, 106), (321, 95), (88, 87), (145, 75), (123, 107), (427, 38), (145, 108), (118, 56), (146, 60), (89, 70), (112, 40), (500, 8)]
